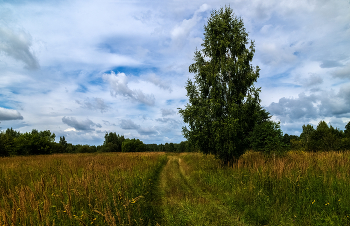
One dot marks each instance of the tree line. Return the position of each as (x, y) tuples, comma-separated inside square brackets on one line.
[(267, 138), (322, 138), (36, 142)]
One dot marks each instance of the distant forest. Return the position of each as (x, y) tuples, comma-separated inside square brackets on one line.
[(14, 143), (322, 138)]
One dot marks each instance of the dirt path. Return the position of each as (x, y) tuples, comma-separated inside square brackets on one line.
[(184, 203)]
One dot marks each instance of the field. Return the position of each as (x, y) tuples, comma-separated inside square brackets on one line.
[(297, 188)]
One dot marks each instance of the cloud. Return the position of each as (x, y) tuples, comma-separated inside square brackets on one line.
[(119, 86), (330, 64), (312, 107), (343, 72), (17, 45), (82, 125), (275, 54), (147, 131), (158, 82), (94, 104), (170, 121), (107, 123), (128, 124), (311, 80), (166, 112), (9, 114), (69, 129), (181, 32)]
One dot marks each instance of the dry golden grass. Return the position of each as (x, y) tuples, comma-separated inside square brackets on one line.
[(76, 189)]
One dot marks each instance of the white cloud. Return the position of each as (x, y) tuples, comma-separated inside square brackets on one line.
[(159, 82), (166, 112), (128, 124), (9, 114), (79, 125), (17, 45), (70, 129), (343, 72), (180, 32), (94, 104), (119, 87)]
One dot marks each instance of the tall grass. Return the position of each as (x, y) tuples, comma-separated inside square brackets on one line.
[(185, 204), (80, 189), (296, 189)]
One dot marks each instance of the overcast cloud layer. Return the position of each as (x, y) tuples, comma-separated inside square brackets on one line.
[(84, 68)]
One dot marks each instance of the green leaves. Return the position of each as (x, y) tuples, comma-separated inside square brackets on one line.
[(224, 105), (267, 137), (133, 145)]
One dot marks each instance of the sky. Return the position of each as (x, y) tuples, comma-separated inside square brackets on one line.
[(81, 68)]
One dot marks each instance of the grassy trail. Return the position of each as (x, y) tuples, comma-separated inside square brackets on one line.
[(184, 202)]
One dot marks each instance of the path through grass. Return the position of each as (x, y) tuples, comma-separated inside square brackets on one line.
[(185, 203)]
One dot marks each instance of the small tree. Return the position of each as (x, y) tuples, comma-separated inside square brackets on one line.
[(305, 136), (224, 106), (113, 142), (63, 144), (133, 145), (267, 137)]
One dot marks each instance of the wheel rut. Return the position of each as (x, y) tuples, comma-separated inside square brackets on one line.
[(185, 203)]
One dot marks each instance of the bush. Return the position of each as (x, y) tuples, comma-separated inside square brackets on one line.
[(133, 145), (267, 137)]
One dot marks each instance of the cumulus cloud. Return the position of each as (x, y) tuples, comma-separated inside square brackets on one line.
[(311, 107), (119, 86), (9, 114), (158, 82), (17, 45), (169, 121), (128, 124), (311, 80), (147, 131), (181, 31), (94, 104), (166, 112), (343, 72), (82, 125), (275, 54)]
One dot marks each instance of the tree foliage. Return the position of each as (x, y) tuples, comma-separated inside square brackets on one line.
[(224, 106), (133, 145), (113, 142), (29, 143), (324, 138), (267, 137)]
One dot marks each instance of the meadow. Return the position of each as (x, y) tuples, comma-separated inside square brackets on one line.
[(297, 188), (80, 189)]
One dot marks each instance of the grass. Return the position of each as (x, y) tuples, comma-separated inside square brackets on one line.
[(80, 189), (184, 202), (298, 188)]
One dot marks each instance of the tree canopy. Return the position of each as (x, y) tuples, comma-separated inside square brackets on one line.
[(224, 106)]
